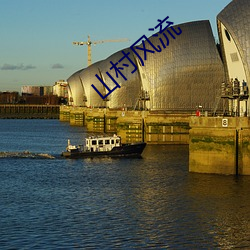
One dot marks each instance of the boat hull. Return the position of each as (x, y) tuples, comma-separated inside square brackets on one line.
[(126, 150)]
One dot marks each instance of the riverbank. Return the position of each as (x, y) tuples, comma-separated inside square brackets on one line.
[(25, 111)]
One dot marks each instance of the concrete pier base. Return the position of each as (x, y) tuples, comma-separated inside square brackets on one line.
[(132, 126), (64, 114), (219, 145)]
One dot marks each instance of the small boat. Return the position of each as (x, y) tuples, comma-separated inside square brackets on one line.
[(96, 146)]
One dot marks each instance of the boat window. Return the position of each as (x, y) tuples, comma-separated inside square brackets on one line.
[(112, 141), (107, 142), (94, 142), (100, 142), (117, 141)]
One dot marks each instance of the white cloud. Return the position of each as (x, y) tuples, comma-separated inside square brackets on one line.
[(21, 66), (57, 66)]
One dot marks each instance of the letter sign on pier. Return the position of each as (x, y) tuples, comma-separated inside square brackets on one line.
[(224, 123)]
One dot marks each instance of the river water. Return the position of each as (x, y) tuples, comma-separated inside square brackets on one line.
[(150, 203)]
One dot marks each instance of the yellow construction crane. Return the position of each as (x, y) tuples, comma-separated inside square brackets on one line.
[(89, 43)]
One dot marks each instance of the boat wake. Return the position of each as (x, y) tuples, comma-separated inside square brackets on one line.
[(26, 154)]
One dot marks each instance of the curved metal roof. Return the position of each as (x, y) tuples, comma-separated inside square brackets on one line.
[(184, 74), (236, 18)]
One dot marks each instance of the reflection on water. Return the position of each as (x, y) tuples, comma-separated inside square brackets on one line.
[(151, 202), (224, 201)]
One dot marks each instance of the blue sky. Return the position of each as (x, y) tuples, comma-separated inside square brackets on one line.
[(36, 35)]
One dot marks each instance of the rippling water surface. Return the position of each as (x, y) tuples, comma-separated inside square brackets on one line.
[(153, 202)]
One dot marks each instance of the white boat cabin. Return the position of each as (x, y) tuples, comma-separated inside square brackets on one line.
[(105, 143)]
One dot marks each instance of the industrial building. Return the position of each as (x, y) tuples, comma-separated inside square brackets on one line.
[(185, 71), (60, 89), (37, 90), (9, 97)]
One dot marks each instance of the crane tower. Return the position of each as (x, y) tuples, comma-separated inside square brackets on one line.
[(89, 43)]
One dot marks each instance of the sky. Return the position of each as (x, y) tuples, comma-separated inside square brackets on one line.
[(36, 35)]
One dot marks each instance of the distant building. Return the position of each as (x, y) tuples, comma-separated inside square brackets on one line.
[(60, 89), (30, 90), (37, 90), (9, 97), (47, 90), (39, 95), (40, 100)]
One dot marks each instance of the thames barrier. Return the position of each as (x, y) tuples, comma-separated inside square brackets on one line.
[(161, 85), (219, 145)]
